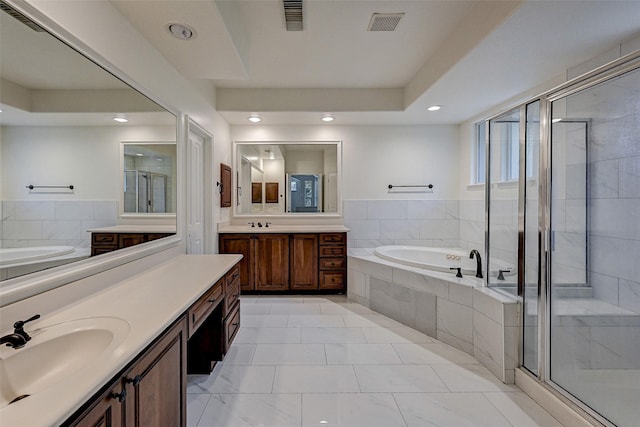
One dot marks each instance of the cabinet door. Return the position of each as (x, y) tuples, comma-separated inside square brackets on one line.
[(156, 384), (225, 186), (271, 262), (240, 244), (304, 261), (105, 411)]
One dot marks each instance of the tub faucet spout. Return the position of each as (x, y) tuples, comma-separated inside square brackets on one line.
[(474, 252)]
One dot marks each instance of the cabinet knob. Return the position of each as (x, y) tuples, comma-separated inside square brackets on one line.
[(135, 380), (122, 396)]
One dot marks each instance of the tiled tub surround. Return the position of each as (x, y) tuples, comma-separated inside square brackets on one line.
[(29, 223), (460, 312)]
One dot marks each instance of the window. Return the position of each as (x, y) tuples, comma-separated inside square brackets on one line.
[(480, 163), (510, 151)]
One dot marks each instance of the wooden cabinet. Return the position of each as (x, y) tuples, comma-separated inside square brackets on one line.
[(289, 262), (151, 392), (240, 244), (103, 242), (105, 412), (303, 250), (333, 261), (156, 384), (271, 192), (225, 185), (271, 262), (213, 323)]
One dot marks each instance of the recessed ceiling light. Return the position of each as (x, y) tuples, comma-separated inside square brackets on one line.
[(120, 118), (434, 107), (327, 118), (254, 118), (181, 31)]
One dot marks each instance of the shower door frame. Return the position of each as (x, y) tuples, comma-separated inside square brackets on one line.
[(623, 65)]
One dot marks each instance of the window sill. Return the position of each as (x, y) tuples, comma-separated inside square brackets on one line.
[(475, 187), (506, 184)]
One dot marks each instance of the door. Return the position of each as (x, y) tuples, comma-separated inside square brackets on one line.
[(195, 183)]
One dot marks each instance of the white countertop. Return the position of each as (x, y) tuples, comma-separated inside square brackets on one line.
[(331, 228), (135, 229), (149, 302)]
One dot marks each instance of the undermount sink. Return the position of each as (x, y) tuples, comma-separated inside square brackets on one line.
[(55, 353)]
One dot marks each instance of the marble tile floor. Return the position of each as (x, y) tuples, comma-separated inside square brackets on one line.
[(327, 362)]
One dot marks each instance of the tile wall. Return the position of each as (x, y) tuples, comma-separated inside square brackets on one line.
[(435, 223), (53, 223)]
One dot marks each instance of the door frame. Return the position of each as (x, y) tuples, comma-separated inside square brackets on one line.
[(206, 198)]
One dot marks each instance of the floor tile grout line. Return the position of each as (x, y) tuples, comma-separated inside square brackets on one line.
[(393, 396), (197, 424)]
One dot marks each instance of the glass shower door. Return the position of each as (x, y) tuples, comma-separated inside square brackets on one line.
[(594, 330)]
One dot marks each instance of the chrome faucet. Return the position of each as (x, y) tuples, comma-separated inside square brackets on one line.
[(478, 262), (19, 337)]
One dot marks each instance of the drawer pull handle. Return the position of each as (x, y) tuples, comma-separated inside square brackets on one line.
[(235, 323), (213, 300), (236, 295), (135, 380), (122, 396)]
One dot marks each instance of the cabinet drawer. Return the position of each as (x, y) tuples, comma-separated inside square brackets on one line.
[(332, 238), (333, 251), (104, 239), (332, 279), (201, 309), (232, 292), (231, 326), (333, 263)]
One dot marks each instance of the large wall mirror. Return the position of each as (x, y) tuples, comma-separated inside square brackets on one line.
[(288, 178), (63, 122)]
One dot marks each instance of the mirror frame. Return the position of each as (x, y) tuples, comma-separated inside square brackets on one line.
[(23, 287), (289, 215), (132, 215)]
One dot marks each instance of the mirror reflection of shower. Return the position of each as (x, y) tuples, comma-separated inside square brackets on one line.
[(148, 178), (304, 192), (145, 192)]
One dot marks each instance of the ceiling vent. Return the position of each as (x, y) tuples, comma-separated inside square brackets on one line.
[(293, 14), (384, 21), (20, 17)]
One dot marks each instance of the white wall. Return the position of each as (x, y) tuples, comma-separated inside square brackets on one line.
[(375, 156), (87, 157)]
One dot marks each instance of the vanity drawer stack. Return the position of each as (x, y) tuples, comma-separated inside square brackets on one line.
[(232, 306), (333, 260)]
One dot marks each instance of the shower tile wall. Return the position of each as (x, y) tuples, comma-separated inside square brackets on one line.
[(43, 223), (614, 190), (436, 223)]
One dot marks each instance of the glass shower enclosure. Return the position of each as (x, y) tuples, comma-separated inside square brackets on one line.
[(563, 206)]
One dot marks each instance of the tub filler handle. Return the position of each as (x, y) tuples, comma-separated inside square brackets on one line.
[(459, 273)]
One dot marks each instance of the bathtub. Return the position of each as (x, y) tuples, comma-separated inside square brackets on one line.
[(19, 261), (437, 259), (11, 256)]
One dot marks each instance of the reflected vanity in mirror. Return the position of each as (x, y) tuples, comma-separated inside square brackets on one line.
[(63, 122), (288, 178)]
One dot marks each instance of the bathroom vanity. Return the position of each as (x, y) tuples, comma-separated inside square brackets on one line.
[(285, 259), (124, 352), (108, 239)]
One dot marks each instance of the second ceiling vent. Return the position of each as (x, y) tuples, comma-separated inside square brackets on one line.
[(293, 15), (384, 21)]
